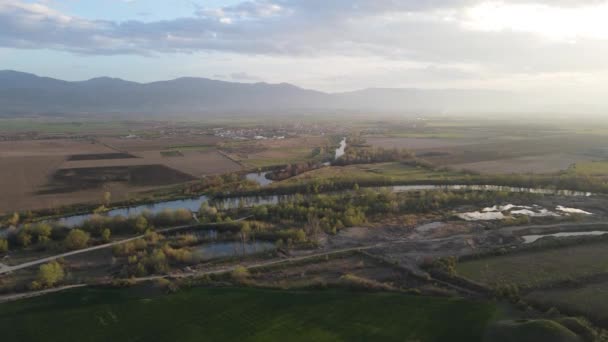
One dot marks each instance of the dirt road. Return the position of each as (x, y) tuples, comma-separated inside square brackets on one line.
[(6, 269)]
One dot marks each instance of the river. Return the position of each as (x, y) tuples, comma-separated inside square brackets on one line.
[(193, 204)]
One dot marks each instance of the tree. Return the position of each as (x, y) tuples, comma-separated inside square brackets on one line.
[(240, 273), (77, 239), (51, 273), (300, 236), (245, 231), (3, 246), (105, 234), (42, 232), (107, 198), (24, 238), (14, 220), (141, 224)]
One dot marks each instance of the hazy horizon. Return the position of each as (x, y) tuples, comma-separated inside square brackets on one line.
[(551, 48)]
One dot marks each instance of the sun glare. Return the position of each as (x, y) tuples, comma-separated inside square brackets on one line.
[(560, 23)]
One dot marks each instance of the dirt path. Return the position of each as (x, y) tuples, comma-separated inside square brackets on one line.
[(13, 297), (6, 269), (220, 270), (558, 226)]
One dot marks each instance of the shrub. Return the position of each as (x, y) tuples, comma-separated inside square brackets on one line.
[(240, 273), (77, 239), (105, 235), (50, 274)]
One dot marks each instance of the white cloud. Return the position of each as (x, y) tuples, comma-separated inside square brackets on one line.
[(346, 44)]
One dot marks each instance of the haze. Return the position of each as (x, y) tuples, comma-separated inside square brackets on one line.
[(555, 50)]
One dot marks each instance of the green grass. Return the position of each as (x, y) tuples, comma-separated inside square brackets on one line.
[(531, 269), (530, 331), (590, 300), (592, 168), (371, 172), (230, 314)]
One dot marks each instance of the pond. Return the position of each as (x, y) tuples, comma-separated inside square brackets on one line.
[(231, 249), (259, 177), (340, 150), (534, 238), (497, 212)]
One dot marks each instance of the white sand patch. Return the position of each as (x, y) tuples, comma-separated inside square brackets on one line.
[(530, 213), (572, 210), (481, 216)]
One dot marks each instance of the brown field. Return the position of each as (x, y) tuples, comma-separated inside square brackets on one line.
[(534, 154), (54, 147), (160, 143), (532, 164), (100, 156), (29, 169), (415, 143)]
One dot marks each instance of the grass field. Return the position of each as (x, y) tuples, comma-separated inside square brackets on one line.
[(231, 314), (371, 172), (591, 168), (532, 269), (590, 300)]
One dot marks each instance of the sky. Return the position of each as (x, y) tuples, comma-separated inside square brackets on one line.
[(557, 47)]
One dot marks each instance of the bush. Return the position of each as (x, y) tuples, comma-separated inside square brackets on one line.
[(3, 246), (240, 273), (50, 274), (105, 235), (77, 239)]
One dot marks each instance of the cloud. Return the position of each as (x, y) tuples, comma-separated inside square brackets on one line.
[(439, 33), (243, 76)]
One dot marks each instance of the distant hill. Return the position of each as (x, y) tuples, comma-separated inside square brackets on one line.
[(23, 93)]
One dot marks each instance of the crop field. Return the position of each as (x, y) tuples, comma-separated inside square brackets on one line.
[(160, 143), (65, 180), (39, 169), (532, 269), (100, 156), (275, 152), (244, 315), (537, 155)]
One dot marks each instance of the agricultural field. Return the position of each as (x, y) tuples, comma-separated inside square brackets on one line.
[(265, 153), (552, 163), (415, 144), (536, 268), (244, 314), (58, 172)]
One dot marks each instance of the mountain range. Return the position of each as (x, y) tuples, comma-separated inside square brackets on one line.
[(28, 94)]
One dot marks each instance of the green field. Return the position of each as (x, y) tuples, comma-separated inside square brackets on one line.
[(373, 172), (232, 314), (532, 269), (593, 168), (590, 300)]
